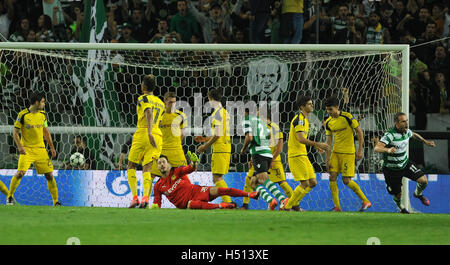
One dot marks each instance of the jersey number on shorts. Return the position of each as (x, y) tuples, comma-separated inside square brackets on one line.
[(414, 169)]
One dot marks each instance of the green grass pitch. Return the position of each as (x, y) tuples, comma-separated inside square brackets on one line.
[(44, 225)]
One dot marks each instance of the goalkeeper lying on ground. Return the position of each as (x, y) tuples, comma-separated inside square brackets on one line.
[(175, 184)]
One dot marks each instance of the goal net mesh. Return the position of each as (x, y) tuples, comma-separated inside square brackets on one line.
[(93, 94)]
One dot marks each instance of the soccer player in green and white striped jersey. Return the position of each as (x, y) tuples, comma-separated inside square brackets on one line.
[(257, 138), (396, 163)]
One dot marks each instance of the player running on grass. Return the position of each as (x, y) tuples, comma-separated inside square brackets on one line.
[(175, 184), (396, 163), (257, 137), (276, 170)]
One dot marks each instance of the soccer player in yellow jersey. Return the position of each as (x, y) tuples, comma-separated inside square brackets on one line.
[(220, 141), (32, 126), (340, 126), (172, 127), (147, 140), (276, 170), (299, 164)]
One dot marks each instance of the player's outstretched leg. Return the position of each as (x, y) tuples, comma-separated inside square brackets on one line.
[(420, 186), (215, 192), (272, 187), (219, 182)]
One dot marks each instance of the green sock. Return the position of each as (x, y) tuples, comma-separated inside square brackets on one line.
[(397, 202), (419, 188), (263, 193), (274, 190)]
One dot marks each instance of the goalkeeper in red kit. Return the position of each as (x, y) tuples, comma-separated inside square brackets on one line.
[(175, 184)]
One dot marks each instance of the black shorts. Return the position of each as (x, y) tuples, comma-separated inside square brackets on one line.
[(261, 164), (393, 178)]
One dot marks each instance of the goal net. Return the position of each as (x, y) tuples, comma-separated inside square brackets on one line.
[(92, 89)]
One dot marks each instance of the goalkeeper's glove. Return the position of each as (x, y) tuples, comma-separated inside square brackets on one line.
[(193, 157), (154, 206)]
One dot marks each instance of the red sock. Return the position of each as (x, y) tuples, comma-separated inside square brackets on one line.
[(232, 192), (203, 205)]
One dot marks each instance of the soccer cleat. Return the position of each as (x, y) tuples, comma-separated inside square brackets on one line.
[(11, 201), (273, 204), (283, 203), (404, 211), (336, 209), (134, 202), (244, 207), (365, 206), (57, 204), (144, 203), (253, 195), (423, 199), (297, 209), (226, 205)]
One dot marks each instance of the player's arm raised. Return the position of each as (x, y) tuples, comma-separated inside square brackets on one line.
[(360, 137), (380, 147), (149, 118), (194, 160), (17, 141), (420, 138), (49, 140)]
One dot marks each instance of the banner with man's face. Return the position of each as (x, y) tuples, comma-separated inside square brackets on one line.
[(268, 78)]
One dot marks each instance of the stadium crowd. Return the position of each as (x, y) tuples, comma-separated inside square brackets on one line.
[(424, 24)]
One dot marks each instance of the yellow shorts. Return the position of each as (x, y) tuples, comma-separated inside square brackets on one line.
[(141, 151), (301, 168), (276, 173), (220, 163), (176, 158), (343, 163), (37, 156)]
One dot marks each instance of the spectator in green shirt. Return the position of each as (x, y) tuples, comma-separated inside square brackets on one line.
[(183, 23)]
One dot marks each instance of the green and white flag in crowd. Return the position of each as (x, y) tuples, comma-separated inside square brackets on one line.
[(95, 82)]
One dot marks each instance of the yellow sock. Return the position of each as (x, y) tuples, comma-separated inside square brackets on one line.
[(13, 186), (148, 181), (357, 190), (3, 188), (132, 182), (223, 184), (247, 188), (297, 196), (287, 189), (51, 184), (335, 194)]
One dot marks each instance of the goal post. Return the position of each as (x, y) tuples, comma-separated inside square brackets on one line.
[(92, 88)]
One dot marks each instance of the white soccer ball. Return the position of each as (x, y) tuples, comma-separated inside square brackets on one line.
[(77, 159)]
